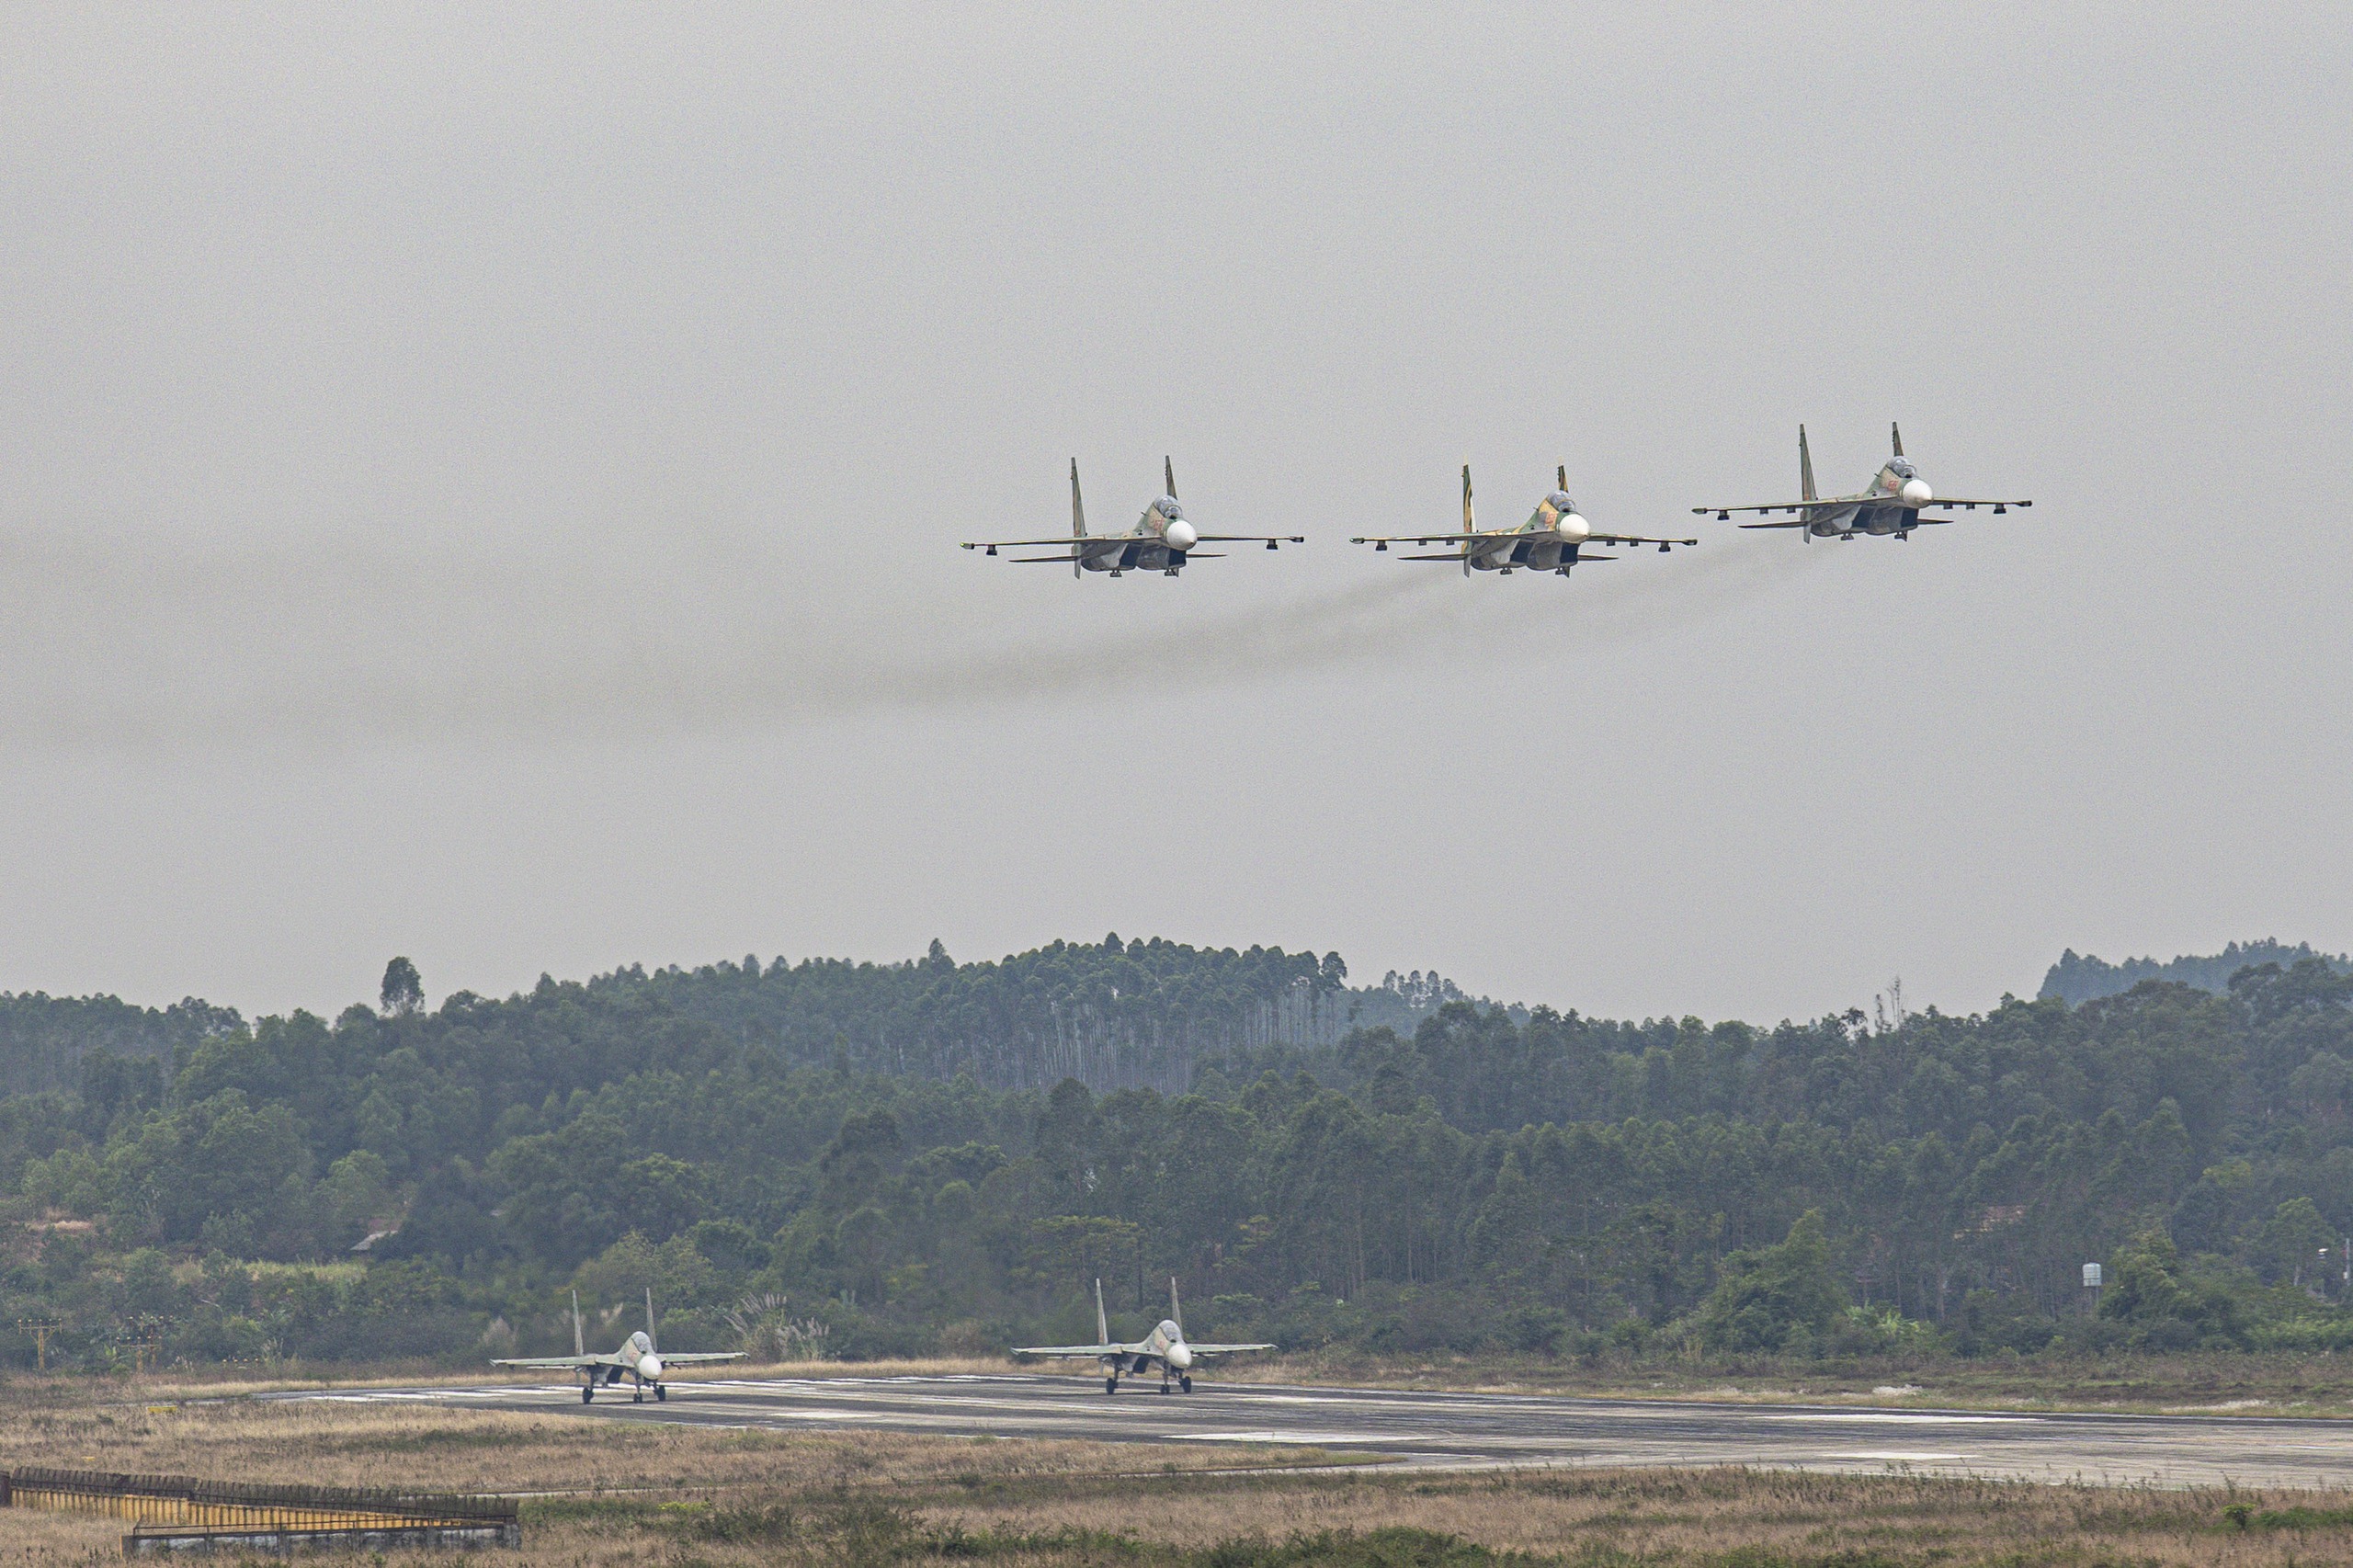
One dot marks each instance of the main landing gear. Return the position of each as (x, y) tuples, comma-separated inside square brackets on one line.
[(588, 1393), (661, 1394), (1110, 1385)]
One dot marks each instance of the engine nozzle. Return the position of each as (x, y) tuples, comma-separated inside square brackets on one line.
[(1181, 535)]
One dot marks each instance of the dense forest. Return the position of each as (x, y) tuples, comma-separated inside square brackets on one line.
[(854, 1160)]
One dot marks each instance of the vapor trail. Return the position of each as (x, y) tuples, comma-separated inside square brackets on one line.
[(117, 643)]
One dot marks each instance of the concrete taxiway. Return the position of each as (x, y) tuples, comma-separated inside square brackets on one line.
[(1472, 1431)]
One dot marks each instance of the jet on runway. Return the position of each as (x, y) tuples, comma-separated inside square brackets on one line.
[(1550, 540), (1890, 505), (1165, 1346), (636, 1359), (1162, 540)]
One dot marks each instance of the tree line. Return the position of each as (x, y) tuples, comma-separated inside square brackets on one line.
[(861, 1159)]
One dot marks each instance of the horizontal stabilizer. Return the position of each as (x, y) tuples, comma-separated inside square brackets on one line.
[(1450, 555), (1034, 559), (551, 1362), (1793, 523)]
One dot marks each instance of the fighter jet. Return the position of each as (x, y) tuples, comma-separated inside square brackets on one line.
[(1550, 540), (636, 1359), (1162, 540), (1890, 506), (1165, 1346)]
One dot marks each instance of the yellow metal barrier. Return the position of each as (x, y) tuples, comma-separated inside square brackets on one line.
[(217, 1505)]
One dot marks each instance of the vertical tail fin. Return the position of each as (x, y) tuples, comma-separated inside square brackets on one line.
[(1805, 467), (1175, 1312), (1078, 518), (1102, 1323), (1169, 476), (1895, 434), (1468, 525), (1562, 474), (651, 1342), (579, 1345)]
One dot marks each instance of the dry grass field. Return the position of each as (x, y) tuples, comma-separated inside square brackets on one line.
[(623, 1495)]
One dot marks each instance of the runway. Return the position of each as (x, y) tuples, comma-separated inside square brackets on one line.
[(1460, 1431)]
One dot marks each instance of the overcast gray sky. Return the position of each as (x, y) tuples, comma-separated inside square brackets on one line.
[(482, 482)]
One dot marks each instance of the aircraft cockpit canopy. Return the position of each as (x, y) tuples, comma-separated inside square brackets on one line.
[(1169, 1330)]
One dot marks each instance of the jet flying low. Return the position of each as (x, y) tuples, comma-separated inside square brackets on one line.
[(1891, 503), (1165, 1347), (1553, 540), (1163, 541), (637, 1358)]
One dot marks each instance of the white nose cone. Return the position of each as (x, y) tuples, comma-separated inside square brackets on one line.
[(1915, 493), (1180, 1355), (1182, 535), (649, 1367), (1571, 527)]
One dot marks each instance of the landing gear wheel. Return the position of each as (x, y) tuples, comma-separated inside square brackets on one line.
[(588, 1393), (638, 1398), (661, 1394), (1185, 1383), (1110, 1385), (1163, 1388)]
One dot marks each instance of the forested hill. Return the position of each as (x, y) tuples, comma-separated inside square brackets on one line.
[(2080, 978), (882, 1158), (43, 1039), (1111, 1014)]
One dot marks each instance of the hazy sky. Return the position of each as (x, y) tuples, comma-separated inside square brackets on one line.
[(482, 482)]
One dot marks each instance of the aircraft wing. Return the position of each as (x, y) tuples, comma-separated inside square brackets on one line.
[(1222, 1349), (1017, 543), (1254, 539), (1804, 507), (1089, 1351), (693, 1357), (1798, 506), (1419, 538), (1636, 539), (569, 1362)]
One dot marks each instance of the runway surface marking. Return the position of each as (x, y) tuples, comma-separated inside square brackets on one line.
[(1472, 1431)]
